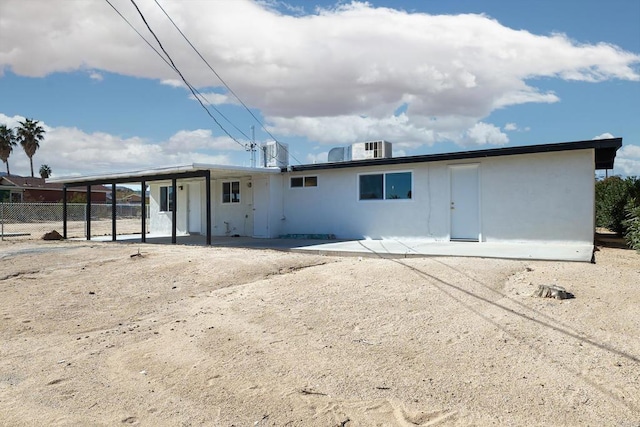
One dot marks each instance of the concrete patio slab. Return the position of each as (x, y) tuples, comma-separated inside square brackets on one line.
[(412, 248), (389, 248)]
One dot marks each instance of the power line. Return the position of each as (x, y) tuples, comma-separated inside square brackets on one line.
[(222, 80), (197, 95), (182, 76)]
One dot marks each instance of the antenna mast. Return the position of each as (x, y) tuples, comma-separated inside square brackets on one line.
[(251, 147)]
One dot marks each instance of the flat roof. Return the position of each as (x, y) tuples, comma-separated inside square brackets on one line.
[(185, 171), (605, 153)]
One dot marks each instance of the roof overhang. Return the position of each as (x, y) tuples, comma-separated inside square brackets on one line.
[(195, 170), (605, 154)]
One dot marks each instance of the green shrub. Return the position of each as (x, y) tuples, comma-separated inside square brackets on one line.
[(632, 224), (612, 195)]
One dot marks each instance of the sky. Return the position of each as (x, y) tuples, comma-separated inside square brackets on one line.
[(430, 76)]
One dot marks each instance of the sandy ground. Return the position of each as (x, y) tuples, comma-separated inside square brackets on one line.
[(75, 229), (187, 336)]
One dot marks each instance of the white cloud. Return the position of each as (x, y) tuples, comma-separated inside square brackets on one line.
[(513, 127), (368, 62), (630, 151), (173, 83), (70, 151), (605, 135), (213, 98), (200, 139), (484, 133), (627, 161), (317, 157), (96, 76), (348, 129)]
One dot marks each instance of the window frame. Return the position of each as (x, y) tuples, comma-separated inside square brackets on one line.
[(305, 179), (384, 186), (231, 200)]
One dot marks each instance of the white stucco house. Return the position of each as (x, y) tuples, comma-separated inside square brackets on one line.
[(538, 193)]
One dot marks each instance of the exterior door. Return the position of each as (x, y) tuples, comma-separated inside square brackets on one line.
[(260, 207), (465, 203), (194, 206)]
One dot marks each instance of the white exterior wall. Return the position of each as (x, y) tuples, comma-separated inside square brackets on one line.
[(333, 206), (539, 197), (160, 222), (276, 205), (232, 218), (523, 198)]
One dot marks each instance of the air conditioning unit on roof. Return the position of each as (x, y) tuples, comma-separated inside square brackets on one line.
[(371, 150), (275, 154)]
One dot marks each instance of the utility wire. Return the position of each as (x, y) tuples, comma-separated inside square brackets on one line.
[(222, 80), (197, 95), (182, 76)]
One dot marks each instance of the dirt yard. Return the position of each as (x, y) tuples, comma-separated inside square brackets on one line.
[(191, 336)]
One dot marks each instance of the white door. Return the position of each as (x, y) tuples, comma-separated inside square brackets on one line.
[(465, 203), (260, 207), (194, 206)]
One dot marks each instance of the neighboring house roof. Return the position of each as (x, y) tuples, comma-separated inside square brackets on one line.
[(28, 183), (131, 198), (605, 153)]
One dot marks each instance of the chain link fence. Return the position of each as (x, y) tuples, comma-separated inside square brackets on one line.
[(33, 220)]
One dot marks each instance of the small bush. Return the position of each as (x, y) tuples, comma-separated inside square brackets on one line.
[(632, 224), (611, 199)]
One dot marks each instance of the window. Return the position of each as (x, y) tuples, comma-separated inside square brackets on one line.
[(304, 181), (231, 192), (166, 199), (397, 185), (386, 186), (371, 187)]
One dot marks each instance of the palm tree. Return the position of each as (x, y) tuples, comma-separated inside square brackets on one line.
[(7, 142), (45, 171), (30, 133)]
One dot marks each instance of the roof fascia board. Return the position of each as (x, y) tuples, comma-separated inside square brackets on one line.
[(138, 178), (198, 169), (604, 144)]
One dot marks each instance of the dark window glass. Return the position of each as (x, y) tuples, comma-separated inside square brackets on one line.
[(235, 192), (311, 181), (231, 192), (296, 182), (371, 187), (398, 185), (166, 201)]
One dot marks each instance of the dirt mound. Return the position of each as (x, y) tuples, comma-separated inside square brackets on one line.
[(52, 235)]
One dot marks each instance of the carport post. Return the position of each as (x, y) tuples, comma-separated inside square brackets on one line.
[(174, 208), (88, 214), (143, 209), (113, 212), (64, 211), (207, 186)]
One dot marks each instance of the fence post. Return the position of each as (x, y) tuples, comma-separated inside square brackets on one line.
[(64, 211), (2, 221)]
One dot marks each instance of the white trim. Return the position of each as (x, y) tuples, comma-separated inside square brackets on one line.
[(231, 181), (216, 170)]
